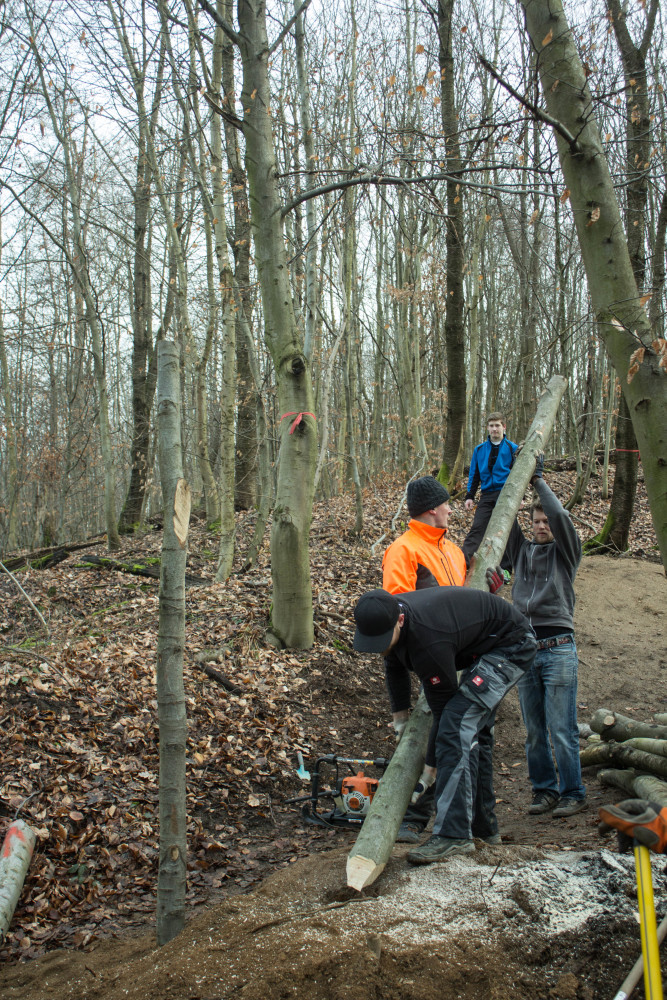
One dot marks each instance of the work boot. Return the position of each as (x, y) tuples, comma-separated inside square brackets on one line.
[(568, 807), (494, 839), (543, 802), (409, 833), (439, 849)]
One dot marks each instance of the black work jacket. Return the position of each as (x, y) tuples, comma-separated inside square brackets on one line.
[(445, 630)]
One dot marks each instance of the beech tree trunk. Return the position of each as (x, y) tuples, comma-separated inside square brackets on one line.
[(493, 544), (292, 611), (15, 856), (454, 315), (171, 641), (614, 726), (622, 321), (377, 836)]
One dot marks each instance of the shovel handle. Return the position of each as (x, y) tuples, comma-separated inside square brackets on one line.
[(649, 933)]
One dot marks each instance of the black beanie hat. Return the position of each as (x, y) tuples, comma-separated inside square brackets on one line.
[(375, 614), (425, 494)]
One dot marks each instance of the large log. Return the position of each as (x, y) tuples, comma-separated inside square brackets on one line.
[(614, 726), (658, 747), (635, 786), (15, 856), (596, 753), (619, 778), (660, 718), (653, 789), (640, 760), (377, 836), (493, 544)]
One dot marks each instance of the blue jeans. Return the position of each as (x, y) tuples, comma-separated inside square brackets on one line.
[(548, 697)]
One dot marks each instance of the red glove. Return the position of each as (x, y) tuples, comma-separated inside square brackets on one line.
[(495, 579), (636, 819)]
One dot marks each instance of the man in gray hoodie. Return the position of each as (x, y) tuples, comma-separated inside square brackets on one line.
[(544, 571)]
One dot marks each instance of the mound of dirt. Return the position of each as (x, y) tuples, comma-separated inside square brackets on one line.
[(503, 922)]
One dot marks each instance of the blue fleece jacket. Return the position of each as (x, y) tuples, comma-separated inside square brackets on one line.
[(479, 467)]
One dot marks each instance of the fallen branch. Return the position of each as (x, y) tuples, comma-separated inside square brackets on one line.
[(134, 569), (220, 679), (36, 610), (38, 656), (45, 558)]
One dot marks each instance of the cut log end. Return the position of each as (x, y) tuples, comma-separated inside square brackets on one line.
[(362, 871)]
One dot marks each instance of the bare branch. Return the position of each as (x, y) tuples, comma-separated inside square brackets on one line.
[(534, 110), (286, 29), (220, 21)]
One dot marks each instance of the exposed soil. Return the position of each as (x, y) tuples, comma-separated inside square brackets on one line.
[(551, 913)]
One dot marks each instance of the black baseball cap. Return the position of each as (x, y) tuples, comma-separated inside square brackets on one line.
[(376, 614)]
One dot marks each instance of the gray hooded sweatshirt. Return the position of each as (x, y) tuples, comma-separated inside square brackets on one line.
[(544, 574)]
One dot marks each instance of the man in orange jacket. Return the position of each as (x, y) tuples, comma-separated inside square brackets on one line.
[(423, 556)]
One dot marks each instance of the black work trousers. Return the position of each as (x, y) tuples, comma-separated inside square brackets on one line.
[(483, 513)]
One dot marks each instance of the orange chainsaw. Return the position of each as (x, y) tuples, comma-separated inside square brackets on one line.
[(351, 794)]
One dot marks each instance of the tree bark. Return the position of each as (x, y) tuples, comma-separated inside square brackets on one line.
[(596, 754), (377, 836), (642, 786), (614, 726), (622, 321), (648, 745), (292, 612), (454, 241), (617, 778), (170, 644), (640, 760), (15, 856), (493, 544)]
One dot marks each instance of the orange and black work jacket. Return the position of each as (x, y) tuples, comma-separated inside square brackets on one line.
[(422, 557)]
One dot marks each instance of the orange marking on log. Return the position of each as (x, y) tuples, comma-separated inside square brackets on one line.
[(14, 831)]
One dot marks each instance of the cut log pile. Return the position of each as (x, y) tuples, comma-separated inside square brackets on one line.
[(636, 751)]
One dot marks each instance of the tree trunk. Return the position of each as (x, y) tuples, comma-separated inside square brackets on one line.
[(170, 644), (377, 836), (614, 726), (143, 385), (617, 778), (378, 833), (657, 747), (11, 468), (248, 404), (493, 544), (640, 760), (15, 856), (454, 315), (596, 754), (292, 612), (622, 320)]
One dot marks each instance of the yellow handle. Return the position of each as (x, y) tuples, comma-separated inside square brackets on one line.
[(649, 934)]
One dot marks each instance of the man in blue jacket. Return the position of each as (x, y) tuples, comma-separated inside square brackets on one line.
[(489, 468), (544, 570)]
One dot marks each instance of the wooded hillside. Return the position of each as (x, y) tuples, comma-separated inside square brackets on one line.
[(393, 172)]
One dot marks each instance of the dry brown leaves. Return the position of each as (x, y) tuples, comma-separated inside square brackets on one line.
[(80, 738)]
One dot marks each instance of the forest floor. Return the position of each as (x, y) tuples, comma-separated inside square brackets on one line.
[(551, 913)]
